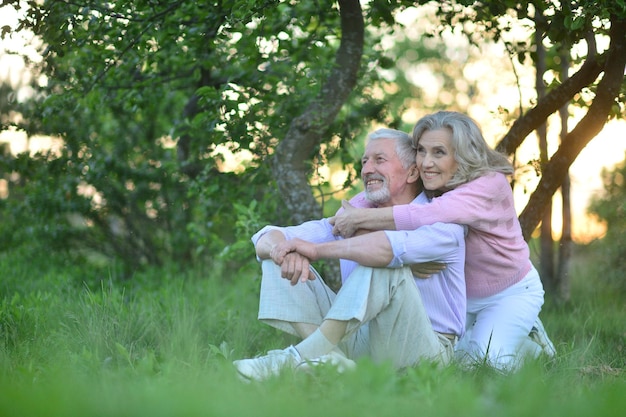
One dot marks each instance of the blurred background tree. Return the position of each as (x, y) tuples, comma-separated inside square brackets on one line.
[(610, 207)]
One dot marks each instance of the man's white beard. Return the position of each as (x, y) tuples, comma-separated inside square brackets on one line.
[(380, 196)]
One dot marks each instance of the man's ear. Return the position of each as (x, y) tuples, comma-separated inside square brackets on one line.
[(414, 174)]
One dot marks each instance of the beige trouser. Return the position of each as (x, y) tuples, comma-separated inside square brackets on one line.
[(383, 307)]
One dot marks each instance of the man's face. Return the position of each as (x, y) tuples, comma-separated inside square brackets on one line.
[(384, 177), (435, 158)]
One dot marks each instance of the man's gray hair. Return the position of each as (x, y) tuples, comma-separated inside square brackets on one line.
[(404, 144)]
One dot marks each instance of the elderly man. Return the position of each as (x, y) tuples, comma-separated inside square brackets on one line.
[(381, 310)]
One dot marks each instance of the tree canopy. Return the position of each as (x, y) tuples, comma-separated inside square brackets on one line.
[(150, 97)]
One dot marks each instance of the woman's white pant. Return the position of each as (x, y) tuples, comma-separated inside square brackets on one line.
[(498, 326), (383, 307)]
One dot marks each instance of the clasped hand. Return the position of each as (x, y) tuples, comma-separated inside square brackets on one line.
[(294, 258)]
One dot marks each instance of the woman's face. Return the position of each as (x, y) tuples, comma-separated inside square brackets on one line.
[(435, 158)]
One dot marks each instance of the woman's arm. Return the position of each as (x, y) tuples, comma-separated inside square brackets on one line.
[(480, 202)]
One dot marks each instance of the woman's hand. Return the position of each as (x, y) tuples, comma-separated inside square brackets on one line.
[(427, 269), (343, 222)]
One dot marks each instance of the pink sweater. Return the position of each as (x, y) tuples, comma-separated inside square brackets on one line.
[(496, 254)]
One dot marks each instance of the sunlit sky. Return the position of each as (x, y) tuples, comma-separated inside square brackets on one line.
[(606, 150)]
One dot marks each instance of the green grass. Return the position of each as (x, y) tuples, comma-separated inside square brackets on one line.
[(76, 340)]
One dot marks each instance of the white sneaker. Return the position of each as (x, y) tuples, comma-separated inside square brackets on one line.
[(538, 335), (335, 359), (269, 365)]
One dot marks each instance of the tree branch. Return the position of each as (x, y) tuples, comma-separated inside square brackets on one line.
[(549, 104)]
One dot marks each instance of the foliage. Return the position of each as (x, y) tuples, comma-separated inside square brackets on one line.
[(560, 26), (610, 208), (128, 79), (150, 99)]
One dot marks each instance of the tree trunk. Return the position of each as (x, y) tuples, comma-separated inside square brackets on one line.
[(562, 281), (291, 161), (546, 260), (562, 288)]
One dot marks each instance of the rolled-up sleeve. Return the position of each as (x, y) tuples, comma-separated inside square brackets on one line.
[(315, 231), (437, 242)]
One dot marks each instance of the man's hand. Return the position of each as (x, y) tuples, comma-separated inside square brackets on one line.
[(343, 224), (294, 257), (427, 269), (295, 268)]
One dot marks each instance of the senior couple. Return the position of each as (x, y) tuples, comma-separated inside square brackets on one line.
[(439, 204)]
